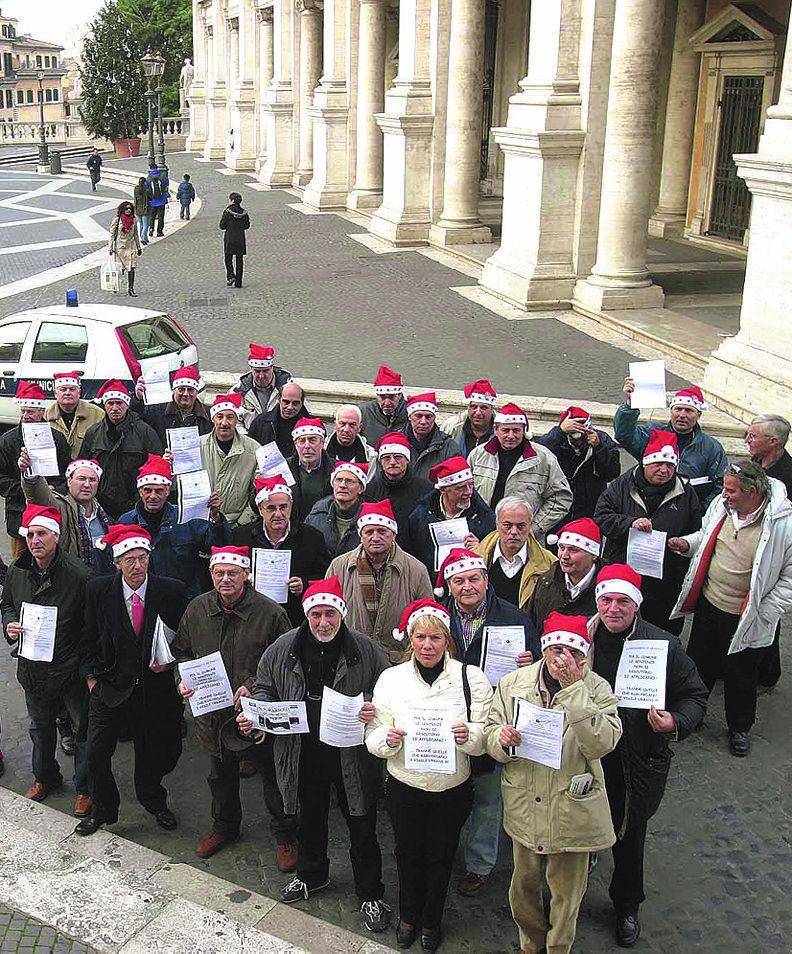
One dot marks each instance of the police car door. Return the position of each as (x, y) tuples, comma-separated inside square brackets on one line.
[(54, 345), (15, 344)]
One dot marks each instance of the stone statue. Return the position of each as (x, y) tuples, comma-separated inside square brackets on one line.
[(185, 81)]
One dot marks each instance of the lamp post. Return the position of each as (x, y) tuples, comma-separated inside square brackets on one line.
[(43, 159), (153, 68)]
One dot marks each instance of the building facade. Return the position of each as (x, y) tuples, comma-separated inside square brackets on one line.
[(23, 62), (558, 134)]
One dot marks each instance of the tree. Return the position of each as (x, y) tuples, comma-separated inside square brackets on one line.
[(113, 84), (165, 27)]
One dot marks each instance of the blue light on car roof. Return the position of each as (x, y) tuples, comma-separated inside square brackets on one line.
[(71, 298)]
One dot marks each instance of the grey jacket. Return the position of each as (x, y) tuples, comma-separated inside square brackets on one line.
[(323, 518), (280, 678)]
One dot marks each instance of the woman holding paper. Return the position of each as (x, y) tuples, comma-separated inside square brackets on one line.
[(430, 713), (550, 724)]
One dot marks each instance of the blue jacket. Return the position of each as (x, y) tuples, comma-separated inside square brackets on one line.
[(185, 193), (701, 456), (176, 547), (498, 613), (418, 539), (156, 174)]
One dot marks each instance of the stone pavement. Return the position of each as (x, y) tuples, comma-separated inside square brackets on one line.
[(20, 933)]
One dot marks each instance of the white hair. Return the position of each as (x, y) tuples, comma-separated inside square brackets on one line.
[(775, 426), (349, 407), (512, 502)]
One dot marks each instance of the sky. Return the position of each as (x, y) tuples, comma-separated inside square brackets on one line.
[(59, 21)]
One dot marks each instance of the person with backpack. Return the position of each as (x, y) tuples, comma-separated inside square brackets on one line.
[(157, 184), (94, 164), (186, 196)]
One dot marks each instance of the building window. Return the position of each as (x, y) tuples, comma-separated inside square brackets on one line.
[(54, 96), (9, 99), (46, 62), (30, 95), (54, 61), (20, 97), (38, 61), (48, 94)]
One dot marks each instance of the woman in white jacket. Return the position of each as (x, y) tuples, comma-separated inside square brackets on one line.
[(429, 695)]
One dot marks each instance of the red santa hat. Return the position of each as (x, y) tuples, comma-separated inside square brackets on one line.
[(231, 556), (619, 578), (124, 537), (226, 402), (325, 593), (661, 447), (454, 470), (577, 413), (261, 356), (689, 397), (156, 470), (29, 394), (66, 379), (358, 470), (113, 390), (571, 631), (309, 426), (422, 402), (459, 560), (378, 515), (583, 534), (394, 443), (419, 609), (36, 516), (387, 381), (186, 378), (481, 392), (511, 414), (81, 463), (267, 486)]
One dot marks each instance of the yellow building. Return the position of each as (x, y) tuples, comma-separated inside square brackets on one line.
[(30, 70)]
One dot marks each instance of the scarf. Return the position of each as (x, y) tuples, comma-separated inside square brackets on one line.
[(371, 583), (87, 551), (651, 494), (127, 221)]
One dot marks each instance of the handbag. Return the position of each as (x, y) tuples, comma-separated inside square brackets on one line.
[(479, 764), (110, 276)]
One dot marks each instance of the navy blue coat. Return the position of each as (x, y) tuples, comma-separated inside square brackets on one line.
[(499, 613)]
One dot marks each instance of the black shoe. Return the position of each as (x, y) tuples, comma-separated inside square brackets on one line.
[(405, 935), (160, 234), (90, 825), (229, 282), (2, 763), (166, 819), (431, 938), (67, 744), (132, 294), (739, 744), (628, 930)]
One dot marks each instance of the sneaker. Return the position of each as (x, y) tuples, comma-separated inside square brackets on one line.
[(471, 884), (376, 915), (739, 744), (287, 857), (298, 890)]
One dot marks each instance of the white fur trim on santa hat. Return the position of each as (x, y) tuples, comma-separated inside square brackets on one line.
[(384, 389), (394, 449), (418, 406), (266, 492), (377, 520), (308, 430), (431, 611), (86, 464), (619, 586), (563, 638), (462, 566), (235, 559), (46, 522), (666, 455), (351, 468), (458, 478), (148, 479), (223, 406), (186, 383), (477, 397), (325, 599), (66, 383), (687, 400), (501, 418), (116, 396), (259, 363), (575, 540), (124, 546), (32, 402)]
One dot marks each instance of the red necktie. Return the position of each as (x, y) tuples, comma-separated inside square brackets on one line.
[(137, 614)]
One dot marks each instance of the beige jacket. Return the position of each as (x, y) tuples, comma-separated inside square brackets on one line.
[(231, 476), (400, 689), (86, 415), (406, 579), (539, 561), (538, 810)]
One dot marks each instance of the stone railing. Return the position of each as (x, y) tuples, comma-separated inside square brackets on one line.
[(60, 131)]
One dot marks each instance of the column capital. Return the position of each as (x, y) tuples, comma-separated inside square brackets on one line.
[(308, 6), (265, 14)]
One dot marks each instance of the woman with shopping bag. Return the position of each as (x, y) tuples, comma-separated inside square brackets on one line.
[(125, 242)]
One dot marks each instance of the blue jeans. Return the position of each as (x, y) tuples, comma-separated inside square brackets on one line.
[(481, 848), (143, 222), (44, 734), (184, 213)]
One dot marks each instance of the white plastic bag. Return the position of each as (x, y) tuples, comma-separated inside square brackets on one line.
[(110, 276)]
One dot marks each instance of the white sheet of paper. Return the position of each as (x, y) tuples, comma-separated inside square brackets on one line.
[(646, 551), (208, 676), (194, 492), (271, 572), (278, 718), (156, 377), (160, 644), (339, 724), (40, 445), (185, 445), (641, 676), (38, 639), (429, 745), (542, 732), (271, 462), (499, 648), (650, 384), (446, 535)]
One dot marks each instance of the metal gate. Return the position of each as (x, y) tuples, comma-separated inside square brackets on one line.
[(490, 45), (741, 113)]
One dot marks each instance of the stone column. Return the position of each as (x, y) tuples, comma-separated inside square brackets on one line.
[(459, 220), (196, 94), (542, 143), (310, 71), (620, 278), (242, 156), (278, 107), (367, 191), (265, 74), (671, 212), (217, 96), (752, 372)]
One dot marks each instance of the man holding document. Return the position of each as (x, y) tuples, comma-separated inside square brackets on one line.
[(184, 410), (332, 669)]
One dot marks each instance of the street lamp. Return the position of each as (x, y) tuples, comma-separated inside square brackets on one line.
[(43, 159), (153, 68)]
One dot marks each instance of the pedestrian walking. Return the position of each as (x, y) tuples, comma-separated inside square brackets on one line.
[(186, 196), (94, 164), (234, 222), (125, 242), (157, 185), (142, 208)]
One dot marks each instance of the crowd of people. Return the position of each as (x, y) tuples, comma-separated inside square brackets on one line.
[(413, 543)]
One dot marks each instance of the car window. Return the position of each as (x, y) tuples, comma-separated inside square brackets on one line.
[(57, 342), (12, 338), (153, 337)]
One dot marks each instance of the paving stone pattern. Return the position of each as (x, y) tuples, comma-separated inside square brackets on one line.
[(19, 933)]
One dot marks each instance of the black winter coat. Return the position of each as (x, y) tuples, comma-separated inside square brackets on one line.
[(376, 425), (120, 457), (270, 426), (419, 543), (403, 494), (782, 470), (303, 503), (499, 613), (233, 222), (162, 417), (551, 595), (10, 478), (63, 585)]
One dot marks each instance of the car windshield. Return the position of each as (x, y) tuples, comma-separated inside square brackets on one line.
[(154, 337)]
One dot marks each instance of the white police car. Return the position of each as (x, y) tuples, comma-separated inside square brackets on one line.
[(100, 341)]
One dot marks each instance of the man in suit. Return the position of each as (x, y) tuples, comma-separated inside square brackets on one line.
[(127, 688)]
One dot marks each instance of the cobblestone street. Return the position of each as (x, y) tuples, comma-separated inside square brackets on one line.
[(21, 933)]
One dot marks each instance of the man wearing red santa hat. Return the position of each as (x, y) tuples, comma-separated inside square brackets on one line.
[(261, 386), (387, 412)]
